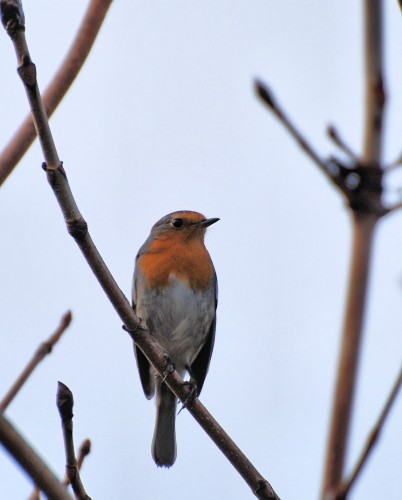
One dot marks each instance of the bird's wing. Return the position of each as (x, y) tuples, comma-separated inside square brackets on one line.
[(199, 367), (143, 365)]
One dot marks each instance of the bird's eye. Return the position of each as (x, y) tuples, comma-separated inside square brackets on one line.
[(177, 223)]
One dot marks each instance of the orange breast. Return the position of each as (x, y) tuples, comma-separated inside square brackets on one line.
[(189, 261)]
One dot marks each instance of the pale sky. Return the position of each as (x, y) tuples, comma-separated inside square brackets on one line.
[(163, 117)]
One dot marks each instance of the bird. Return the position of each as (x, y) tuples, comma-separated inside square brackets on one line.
[(175, 294)]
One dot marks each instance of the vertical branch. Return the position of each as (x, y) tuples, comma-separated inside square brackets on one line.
[(65, 403), (364, 223), (375, 94), (363, 231)]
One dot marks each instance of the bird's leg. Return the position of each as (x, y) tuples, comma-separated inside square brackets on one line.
[(170, 368), (193, 392)]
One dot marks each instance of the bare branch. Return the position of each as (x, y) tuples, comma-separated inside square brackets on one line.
[(375, 93), (364, 223), (62, 81), (44, 349), (77, 227), (65, 403), (372, 439), (353, 326), (30, 461)]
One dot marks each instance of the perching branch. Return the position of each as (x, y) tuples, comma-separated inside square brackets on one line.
[(65, 403), (62, 81), (30, 461), (14, 23), (44, 349), (372, 439)]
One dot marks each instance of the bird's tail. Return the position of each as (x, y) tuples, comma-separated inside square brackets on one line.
[(164, 440)]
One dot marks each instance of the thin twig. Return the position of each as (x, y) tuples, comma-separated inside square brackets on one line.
[(77, 227), (84, 450), (337, 139), (372, 439), (34, 466), (267, 98), (62, 81), (35, 495), (395, 207), (44, 349), (395, 164), (65, 403)]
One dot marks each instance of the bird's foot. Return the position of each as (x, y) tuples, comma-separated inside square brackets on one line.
[(170, 368), (192, 395)]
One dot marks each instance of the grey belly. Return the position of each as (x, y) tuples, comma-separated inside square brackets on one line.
[(179, 319)]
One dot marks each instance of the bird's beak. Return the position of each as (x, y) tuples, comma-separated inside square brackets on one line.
[(208, 222)]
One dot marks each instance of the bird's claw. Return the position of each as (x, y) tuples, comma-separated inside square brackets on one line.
[(192, 395), (170, 368)]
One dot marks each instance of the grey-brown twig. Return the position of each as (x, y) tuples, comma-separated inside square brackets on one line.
[(65, 403), (30, 461), (65, 76), (265, 94), (44, 349), (337, 139), (372, 439), (35, 495), (84, 450), (14, 23)]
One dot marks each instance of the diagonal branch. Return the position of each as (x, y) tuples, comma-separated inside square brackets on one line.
[(62, 81), (265, 94), (77, 227), (44, 349), (337, 139), (30, 461), (372, 439)]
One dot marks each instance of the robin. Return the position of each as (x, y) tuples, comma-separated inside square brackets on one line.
[(175, 296)]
